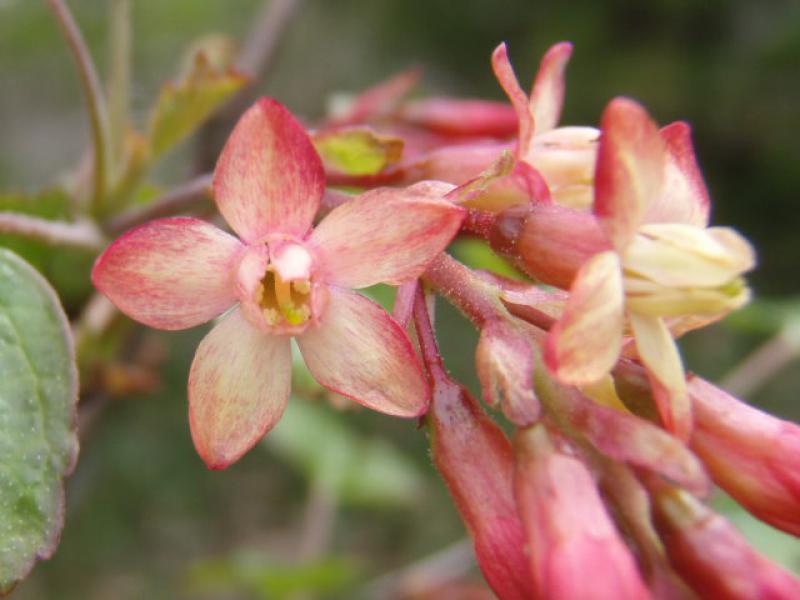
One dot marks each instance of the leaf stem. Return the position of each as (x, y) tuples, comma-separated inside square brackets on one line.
[(118, 79), (95, 101)]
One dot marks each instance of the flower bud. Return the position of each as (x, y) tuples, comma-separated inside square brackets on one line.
[(475, 460), (504, 363), (711, 556), (575, 550), (753, 456), (547, 241)]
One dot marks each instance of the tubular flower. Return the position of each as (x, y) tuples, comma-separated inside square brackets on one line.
[(666, 271), (575, 550), (565, 156), (752, 455), (282, 279)]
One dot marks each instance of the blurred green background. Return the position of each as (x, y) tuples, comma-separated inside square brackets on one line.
[(145, 519)]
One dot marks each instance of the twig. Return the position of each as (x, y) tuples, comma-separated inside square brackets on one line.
[(758, 367), (179, 199), (429, 573), (261, 42), (56, 233), (318, 521), (95, 101)]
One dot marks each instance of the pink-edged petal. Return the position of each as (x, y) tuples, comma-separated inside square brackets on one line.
[(359, 351), (658, 352), (519, 99), (629, 171), (684, 196), (171, 273), (268, 178), (547, 93), (457, 117), (378, 101), (585, 343), (386, 235), (238, 388)]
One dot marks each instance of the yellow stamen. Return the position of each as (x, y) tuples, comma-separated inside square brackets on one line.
[(301, 286)]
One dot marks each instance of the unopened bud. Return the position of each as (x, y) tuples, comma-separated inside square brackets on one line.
[(547, 241), (752, 455), (475, 460), (504, 363), (714, 558), (575, 549)]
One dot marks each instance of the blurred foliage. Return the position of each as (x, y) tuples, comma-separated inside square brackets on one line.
[(144, 516)]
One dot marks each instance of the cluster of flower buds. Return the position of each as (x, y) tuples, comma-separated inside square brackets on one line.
[(600, 492)]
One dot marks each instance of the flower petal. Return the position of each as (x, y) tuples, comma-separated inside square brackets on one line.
[(684, 197), (359, 351), (238, 387), (171, 273), (547, 94), (386, 235), (659, 354), (585, 343), (519, 99), (457, 117), (268, 178), (630, 167)]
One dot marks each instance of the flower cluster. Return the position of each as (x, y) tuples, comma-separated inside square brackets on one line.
[(600, 492)]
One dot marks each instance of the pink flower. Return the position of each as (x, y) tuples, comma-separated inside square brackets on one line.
[(565, 156), (283, 280), (666, 272)]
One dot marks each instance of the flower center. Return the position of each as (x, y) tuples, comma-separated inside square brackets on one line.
[(276, 287), (282, 301)]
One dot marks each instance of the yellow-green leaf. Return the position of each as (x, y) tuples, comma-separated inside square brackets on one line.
[(185, 105), (357, 150)]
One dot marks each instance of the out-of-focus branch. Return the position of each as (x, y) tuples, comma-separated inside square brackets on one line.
[(56, 233), (95, 101), (259, 47), (424, 575), (180, 198), (758, 367)]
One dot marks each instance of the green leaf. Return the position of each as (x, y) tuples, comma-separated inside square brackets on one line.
[(185, 105), (255, 574), (357, 151), (477, 254), (360, 470), (38, 396)]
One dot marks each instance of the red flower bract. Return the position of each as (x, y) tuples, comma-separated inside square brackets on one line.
[(282, 279)]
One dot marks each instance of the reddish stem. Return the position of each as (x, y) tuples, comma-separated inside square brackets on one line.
[(427, 338), (475, 297)]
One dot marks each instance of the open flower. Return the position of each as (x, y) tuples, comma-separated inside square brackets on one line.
[(667, 272), (565, 156), (284, 279)]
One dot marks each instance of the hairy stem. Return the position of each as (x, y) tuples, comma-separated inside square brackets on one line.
[(476, 298), (95, 101)]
